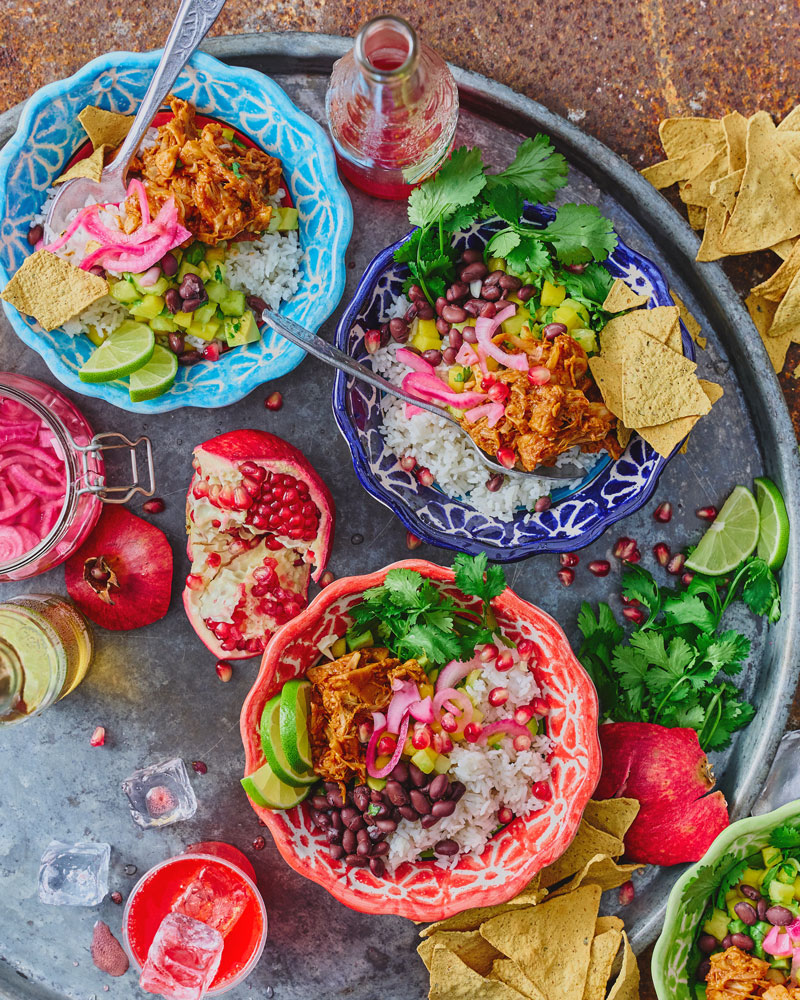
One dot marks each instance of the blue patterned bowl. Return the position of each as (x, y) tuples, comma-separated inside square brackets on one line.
[(48, 135), (610, 491)]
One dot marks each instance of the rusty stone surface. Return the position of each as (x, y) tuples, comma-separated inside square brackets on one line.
[(614, 68)]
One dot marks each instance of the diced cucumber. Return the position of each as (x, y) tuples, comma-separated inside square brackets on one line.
[(216, 290), (425, 759), (587, 339), (288, 218), (124, 291), (204, 271), (771, 856), (376, 784), (215, 255), (233, 304), (163, 324), (441, 764), (717, 924), (205, 312), (157, 288), (196, 252), (187, 268), (339, 648), (515, 323), (780, 892), (148, 308), (359, 640)]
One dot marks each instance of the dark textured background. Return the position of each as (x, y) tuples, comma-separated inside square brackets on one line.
[(614, 68)]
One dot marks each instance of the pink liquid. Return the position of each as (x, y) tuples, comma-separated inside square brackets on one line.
[(32, 480)]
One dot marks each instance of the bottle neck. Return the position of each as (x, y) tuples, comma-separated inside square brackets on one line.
[(11, 678), (387, 51)]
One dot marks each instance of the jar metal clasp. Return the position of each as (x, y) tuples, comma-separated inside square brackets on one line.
[(95, 483)]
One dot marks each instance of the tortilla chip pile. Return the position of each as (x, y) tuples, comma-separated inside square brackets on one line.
[(740, 179), (106, 130), (52, 290), (548, 943), (646, 381)]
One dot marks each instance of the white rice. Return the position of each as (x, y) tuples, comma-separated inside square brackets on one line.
[(494, 776)]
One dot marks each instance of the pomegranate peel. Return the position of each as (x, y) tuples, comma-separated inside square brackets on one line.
[(673, 833), (121, 577), (107, 953)]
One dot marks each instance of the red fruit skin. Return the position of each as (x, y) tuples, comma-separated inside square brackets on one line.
[(672, 833), (107, 953), (140, 556), (651, 763)]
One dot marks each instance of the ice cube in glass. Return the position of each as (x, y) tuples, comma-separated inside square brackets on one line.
[(74, 874), (183, 958), (215, 896), (160, 794)]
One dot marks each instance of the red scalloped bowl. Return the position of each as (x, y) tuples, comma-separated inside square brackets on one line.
[(422, 890)]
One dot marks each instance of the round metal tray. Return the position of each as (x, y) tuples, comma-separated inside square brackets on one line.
[(156, 692)]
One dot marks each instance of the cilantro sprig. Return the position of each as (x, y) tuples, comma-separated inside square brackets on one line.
[(666, 670), (413, 619), (462, 191)]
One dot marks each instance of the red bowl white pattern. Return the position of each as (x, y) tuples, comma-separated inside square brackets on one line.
[(422, 890)]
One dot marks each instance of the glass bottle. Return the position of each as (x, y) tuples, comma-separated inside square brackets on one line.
[(392, 107), (45, 651)]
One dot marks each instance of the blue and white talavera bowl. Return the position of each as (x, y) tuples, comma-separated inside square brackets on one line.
[(49, 134), (611, 491)]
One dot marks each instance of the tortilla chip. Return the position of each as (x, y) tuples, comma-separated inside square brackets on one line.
[(474, 950), (608, 377), (697, 216), (661, 323), (791, 121), (452, 979), (682, 168), (471, 920), (622, 297), (588, 843), (716, 221), (52, 290), (784, 248), (689, 322), (762, 312), (90, 166), (613, 816), (626, 986), (604, 949), (734, 126), (658, 385), (508, 972), (726, 188), (665, 437), (624, 434), (600, 870), (105, 128), (551, 943), (787, 315), (679, 135), (796, 372), (777, 285), (603, 924), (768, 207), (697, 190)]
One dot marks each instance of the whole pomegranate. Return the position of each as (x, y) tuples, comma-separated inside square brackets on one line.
[(258, 517)]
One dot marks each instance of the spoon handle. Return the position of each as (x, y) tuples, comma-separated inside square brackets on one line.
[(331, 355), (189, 28)]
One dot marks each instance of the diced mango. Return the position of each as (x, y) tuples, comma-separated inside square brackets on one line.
[(381, 761), (717, 924), (426, 337), (163, 324), (580, 309), (183, 319), (457, 377), (339, 648), (567, 316), (95, 337), (426, 690), (377, 784), (552, 295), (150, 306), (425, 759), (496, 264), (753, 877), (515, 323), (771, 856), (442, 764)]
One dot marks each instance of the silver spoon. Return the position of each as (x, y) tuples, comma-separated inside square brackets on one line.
[(191, 25), (331, 355)]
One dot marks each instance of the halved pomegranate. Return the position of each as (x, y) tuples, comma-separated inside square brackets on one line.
[(258, 517)]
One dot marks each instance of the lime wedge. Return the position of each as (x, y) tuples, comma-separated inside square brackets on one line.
[(129, 347), (156, 377), (773, 535), (295, 709), (265, 788), (731, 538), (273, 749)]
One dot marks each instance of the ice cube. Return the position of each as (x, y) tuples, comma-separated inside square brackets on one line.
[(183, 958), (783, 781), (215, 896), (74, 874), (160, 794)]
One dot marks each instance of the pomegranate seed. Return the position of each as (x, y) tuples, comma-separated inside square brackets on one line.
[(408, 462), (200, 766), (194, 582), (497, 696), (472, 732), (448, 722), (213, 559), (504, 815), (505, 661), (635, 615), (542, 504), (241, 498), (626, 893), (661, 553), (425, 477), (600, 567), (542, 790), (386, 745), (274, 401), (539, 375), (523, 714), (421, 739), (569, 559), (663, 513), (116, 897), (707, 513), (525, 648), (499, 392), (489, 652), (224, 671), (326, 579), (98, 737), (372, 340), (522, 742), (687, 578), (540, 707), (675, 565), (412, 542), (627, 550), (444, 743), (154, 506), (211, 352), (487, 382), (507, 457), (259, 844), (567, 576), (364, 732)]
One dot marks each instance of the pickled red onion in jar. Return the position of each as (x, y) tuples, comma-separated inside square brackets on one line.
[(33, 480)]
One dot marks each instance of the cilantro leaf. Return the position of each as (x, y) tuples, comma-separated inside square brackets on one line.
[(785, 837), (580, 233), (476, 578), (460, 180), (404, 586), (689, 609), (760, 591), (530, 255), (727, 651), (590, 287), (432, 642), (537, 171), (639, 585), (709, 879), (506, 201), (502, 243)]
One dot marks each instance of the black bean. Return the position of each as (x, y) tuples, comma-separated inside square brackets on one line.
[(385, 338), (553, 330), (492, 279), (411, 313), (349, 841), (35, 233), (321, 803), (746, 912), (743, 941), (189, 305), (726, 942), (470, 255), (377, 867), (321, 820), (357, 824), (433, 357), (510, 282), (379, 850), (398, 328), (336, 852), (426, 822), (387, 825), (444, 807), (397, 794), (335, 799), (190, 358), (488, 309), (361, 797), (473, 307), (439, 786), (409, 813), (469, 335), (439, 304), (779, 916), (474, 271), (453, 314), (375, 796), (97, 270), (336, 820), (491, 293), (178, 345), (418, 777), (455, 339), (425, 311), (364, 848), (442, 327), (750, 891), (526, 292), (703, 970), (375, 834), (707, 943), (419, 802), (331, 786), (449, 355), (458, 290), (400, 772), (334, 836), (169, 265), (457, 789), (493, 484), (173, 299), (258, 305), (416, 293), (446, 847), (349, 813), (761, 909), (575, 268), (356, 861)]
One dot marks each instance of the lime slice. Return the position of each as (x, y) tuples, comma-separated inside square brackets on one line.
[(773, 535), (156, 377), (731, 538), (273, 749), (265, 788), (129, 347), (295, 709)]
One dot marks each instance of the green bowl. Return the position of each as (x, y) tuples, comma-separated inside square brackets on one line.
[(672, 976)]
